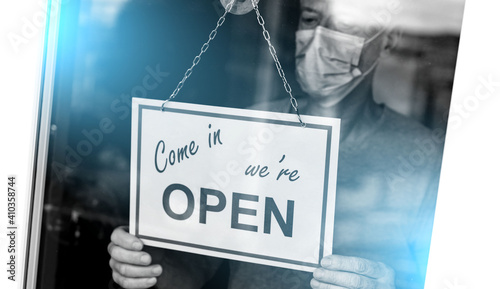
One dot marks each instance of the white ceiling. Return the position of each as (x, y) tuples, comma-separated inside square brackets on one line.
[(419, 16), (431, 16)]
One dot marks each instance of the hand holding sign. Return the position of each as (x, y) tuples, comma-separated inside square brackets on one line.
[(131, 267), (352, 272)]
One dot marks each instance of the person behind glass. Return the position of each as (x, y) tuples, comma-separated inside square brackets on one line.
[(388, 170)]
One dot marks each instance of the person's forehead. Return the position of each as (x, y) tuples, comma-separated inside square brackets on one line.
[(313, 5), (344, 13)]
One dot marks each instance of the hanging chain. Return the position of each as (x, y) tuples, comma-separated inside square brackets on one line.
[(197, 59), (281, 73), (267, 37)]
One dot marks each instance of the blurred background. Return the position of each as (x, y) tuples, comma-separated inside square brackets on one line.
[(108, 47)]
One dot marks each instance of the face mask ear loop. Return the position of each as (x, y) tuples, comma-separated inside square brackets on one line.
[(376, 36), (372, 67), (382, 31)]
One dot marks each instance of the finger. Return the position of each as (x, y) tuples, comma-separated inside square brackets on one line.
[(344, 279), (128, 270), (130, 257), (133, 283), (355, 265), (122, 238), (315, 284)]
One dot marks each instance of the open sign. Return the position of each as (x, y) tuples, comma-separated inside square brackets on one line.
[(239, 184)]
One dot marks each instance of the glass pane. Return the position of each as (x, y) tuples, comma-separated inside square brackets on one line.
[(112, 50)]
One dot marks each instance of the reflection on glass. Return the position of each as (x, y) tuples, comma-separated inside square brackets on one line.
[(112, 50)]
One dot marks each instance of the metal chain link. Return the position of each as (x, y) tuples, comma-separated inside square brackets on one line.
[(267, 37), (197, 59)]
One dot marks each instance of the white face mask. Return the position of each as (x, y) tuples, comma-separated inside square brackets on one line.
[(327, 63)]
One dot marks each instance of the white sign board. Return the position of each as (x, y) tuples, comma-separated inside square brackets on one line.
[(239, 184)]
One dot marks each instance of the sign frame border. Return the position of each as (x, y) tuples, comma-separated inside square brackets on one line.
[(329, 130)]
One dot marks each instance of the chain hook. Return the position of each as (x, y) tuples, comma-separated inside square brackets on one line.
[(163, 105)]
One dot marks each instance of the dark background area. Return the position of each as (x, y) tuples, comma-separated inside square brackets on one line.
[(104, 51)]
